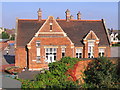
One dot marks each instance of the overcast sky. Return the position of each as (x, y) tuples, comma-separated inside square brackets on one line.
[(89, 11)]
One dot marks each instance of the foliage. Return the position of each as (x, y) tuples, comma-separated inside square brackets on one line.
[(54, 78), (116, 45), (118, 36), (5, 35), (13, 37), (101, 74)]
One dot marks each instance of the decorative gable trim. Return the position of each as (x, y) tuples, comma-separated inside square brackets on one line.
[(89, 34), (36, 34)]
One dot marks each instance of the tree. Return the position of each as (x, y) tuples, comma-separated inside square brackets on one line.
[(5, 35), (101, 74), (55, 78), (13, 37)]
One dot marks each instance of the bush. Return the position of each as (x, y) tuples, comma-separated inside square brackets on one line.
[(101, 74), (13, 37), (5, 35), (54, 78), (13, 69)]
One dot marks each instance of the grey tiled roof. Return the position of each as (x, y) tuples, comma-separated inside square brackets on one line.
[(75, 29)]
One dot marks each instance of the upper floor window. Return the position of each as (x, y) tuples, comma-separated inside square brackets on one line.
[(37, 43), (78, 52), (101, 52), (50, 26)]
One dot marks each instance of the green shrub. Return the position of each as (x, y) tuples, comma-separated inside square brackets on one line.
[(54, 78), (5, 35), (101, 74)]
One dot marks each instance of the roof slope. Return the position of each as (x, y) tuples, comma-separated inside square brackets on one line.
[(76, 30), (27, 30)]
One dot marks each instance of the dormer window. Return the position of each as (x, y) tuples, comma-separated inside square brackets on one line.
[(37, 43), (50, 26)]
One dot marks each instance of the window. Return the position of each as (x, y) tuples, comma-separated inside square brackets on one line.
[(78, 52), (50, 26), (38, 54), (37, 43), (51, 51), (63, 52), (90, 49), (101, 52), (38, 57)]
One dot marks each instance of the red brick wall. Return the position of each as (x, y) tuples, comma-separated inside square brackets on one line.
[(85, 50), (44, 41), (108, 51), (20, 57), (96, 50)]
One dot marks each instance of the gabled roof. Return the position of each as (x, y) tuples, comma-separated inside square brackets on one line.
[(26, 30), (76, 30)]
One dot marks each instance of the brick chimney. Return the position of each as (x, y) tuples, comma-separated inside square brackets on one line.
[(39, 14), (67, 15), (79, 16), (71, 17)]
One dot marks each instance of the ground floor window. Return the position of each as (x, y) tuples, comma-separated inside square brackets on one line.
[(78, 52), (50, 54), (91, 49), (63, 52), (101, 52), (90, 52)]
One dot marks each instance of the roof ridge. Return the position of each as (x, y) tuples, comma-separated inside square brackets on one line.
[(30, 19), (60, 20), (77, 20)]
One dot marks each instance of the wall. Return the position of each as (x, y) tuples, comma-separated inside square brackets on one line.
[(20, 57)]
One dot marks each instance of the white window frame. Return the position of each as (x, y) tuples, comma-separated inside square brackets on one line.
[(91, 49), (51, 26), (63, 51), (79, 52), (38, 53), (49, 52), (101, 52), (37, 43)]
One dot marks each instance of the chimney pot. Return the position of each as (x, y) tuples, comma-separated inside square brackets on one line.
[(58, 18), (67, 14), (39, 14), (79, 16), (71, 17)]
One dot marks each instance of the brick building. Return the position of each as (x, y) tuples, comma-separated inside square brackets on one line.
[(42, 41)]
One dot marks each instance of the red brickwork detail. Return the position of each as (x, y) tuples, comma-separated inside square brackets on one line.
[(95, 50), (107, 52), (55, 27), (20, 57), (76, 72), (85, 50)]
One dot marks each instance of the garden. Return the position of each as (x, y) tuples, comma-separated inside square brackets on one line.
[(101, 73)]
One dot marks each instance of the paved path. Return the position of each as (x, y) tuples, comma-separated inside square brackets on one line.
[(10, 83), (28, 74), (8, 60)]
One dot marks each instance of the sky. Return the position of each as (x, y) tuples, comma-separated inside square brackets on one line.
[(89, 10)]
